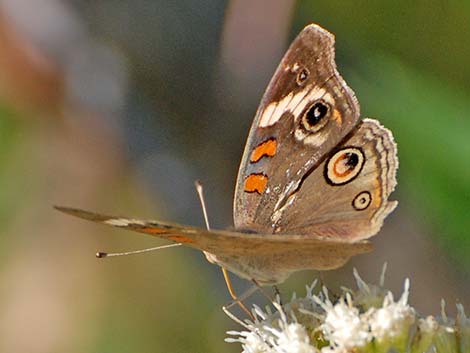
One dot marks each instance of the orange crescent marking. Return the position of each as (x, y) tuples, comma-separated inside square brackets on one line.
[(256, 183), (153, 230), (267, 148), (181, 239), (177, 238), (337, 117)]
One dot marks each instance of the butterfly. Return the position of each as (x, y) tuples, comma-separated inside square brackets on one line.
[(313, 183)]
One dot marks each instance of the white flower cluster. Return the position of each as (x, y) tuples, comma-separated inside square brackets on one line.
[(367, 320), (286, 337), (343, 326)]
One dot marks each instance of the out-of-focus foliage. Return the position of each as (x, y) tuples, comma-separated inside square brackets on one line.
[(430, 36), (431, 122), (9, 135)]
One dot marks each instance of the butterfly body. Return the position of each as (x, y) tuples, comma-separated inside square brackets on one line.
[(313, 182)]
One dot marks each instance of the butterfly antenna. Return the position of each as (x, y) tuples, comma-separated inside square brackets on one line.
[(101, 254), (228, 282), (200, 193)]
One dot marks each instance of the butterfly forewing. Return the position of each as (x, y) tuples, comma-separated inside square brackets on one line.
[(306, 111), (265, 257)]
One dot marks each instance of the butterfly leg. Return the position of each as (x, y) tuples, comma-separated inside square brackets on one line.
[(248, 293), (277, 305), (236, 299)]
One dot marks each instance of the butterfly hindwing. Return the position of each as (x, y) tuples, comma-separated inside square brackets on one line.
[(346, 197)]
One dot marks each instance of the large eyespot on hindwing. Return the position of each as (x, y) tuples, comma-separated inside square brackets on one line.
[(362, 201), (344, 166), (315, 116)]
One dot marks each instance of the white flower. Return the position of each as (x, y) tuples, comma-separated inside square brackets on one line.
[(426, 331), (293, 338), (343, 326), (274, 335), (393, 319), (428, 325), (367, 320), (369, 295), (288, 338), (253, 343)]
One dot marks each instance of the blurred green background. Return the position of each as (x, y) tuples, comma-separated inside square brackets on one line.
[(118, 106)]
